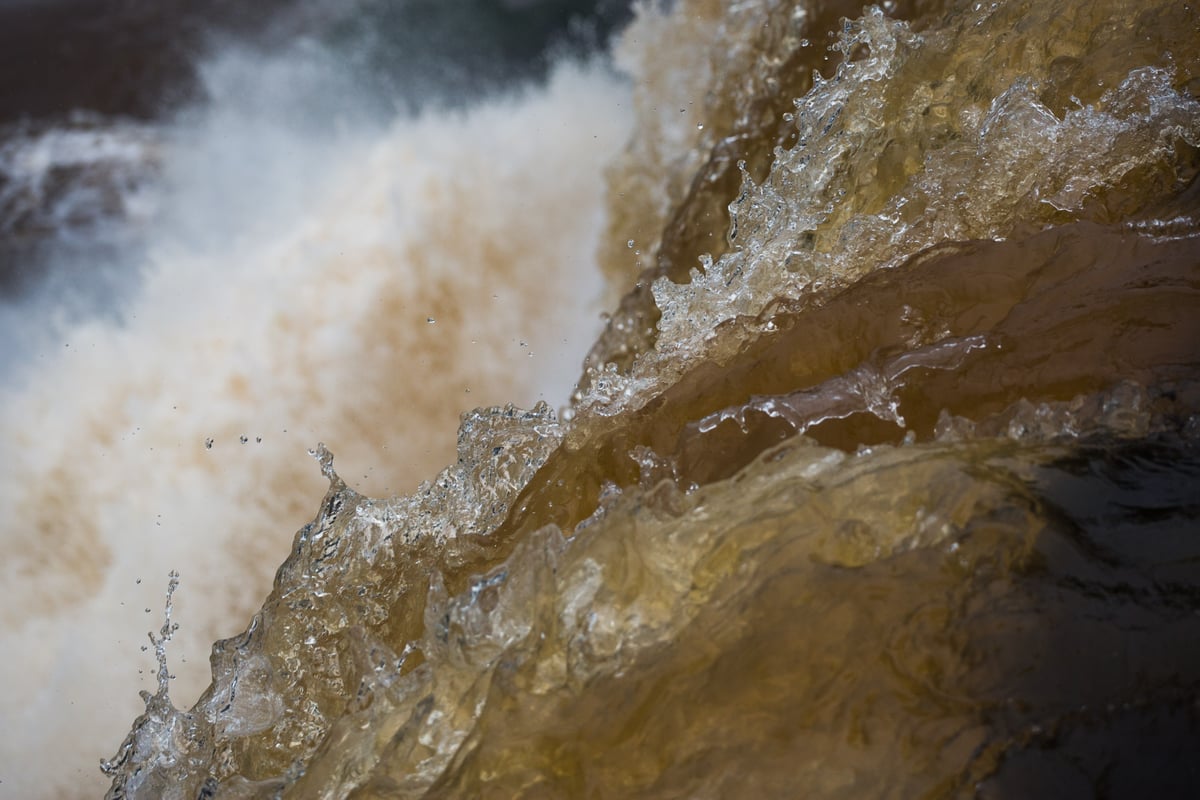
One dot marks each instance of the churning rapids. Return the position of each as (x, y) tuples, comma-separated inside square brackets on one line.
[(882, 478)]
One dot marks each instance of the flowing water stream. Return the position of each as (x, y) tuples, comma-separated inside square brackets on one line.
[(880, 480)]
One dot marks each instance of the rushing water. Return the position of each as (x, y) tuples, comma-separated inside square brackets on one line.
[(880, 481), (191, 300)]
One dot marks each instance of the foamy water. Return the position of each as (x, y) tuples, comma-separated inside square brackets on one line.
[(302, 279)]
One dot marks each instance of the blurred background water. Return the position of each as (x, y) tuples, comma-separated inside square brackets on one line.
[(90, 88)]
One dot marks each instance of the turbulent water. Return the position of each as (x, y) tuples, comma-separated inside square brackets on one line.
[(188, 303), (881, 479)]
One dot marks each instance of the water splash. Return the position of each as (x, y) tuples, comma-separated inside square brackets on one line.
[(949, 542)]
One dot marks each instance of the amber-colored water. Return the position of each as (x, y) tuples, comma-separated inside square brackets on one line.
[(880, 483)]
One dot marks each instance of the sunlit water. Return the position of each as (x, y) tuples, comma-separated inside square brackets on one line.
[(879, 480)]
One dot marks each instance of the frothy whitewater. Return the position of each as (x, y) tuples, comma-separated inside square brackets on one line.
[(300, 281)]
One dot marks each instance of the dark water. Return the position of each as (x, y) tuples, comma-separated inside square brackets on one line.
[(113, 58), (133, 58)]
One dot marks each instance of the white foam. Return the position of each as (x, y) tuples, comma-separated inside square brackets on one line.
[(287, 295)]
